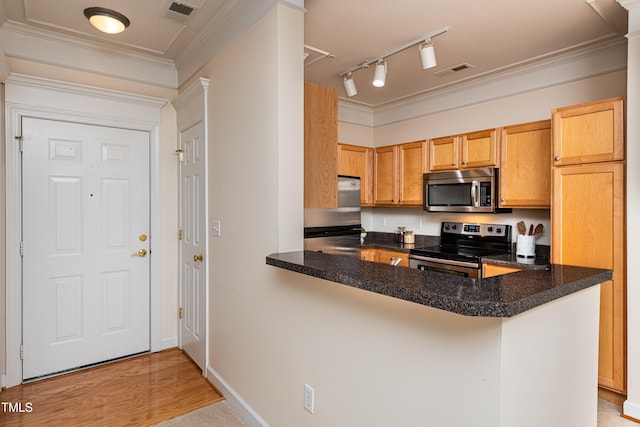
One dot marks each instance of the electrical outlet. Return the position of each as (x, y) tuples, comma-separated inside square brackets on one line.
[(309, 397), (383, 221), (419, 223)]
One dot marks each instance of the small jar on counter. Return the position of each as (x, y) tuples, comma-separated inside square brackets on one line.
[(409, 237)]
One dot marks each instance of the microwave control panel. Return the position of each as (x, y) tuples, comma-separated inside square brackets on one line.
[(485, 194)]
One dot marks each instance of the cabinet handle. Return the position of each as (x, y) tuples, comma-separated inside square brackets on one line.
[(502, 199), (453, 163), (464, 163), (556, 158)]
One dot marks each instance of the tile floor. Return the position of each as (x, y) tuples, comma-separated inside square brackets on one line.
[(609, 415)]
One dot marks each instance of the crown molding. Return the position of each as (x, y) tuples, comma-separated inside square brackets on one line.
[(44, 46), (84, 90), (590, 61)]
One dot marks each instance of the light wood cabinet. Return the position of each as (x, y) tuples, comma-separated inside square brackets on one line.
[(386, 174), (490, 270), (354, 160), (525, 165), (320, 146), (398, 174), (473, 150), (588, 133), (386, 256), (588, 218), (369, 254), (588, 230)]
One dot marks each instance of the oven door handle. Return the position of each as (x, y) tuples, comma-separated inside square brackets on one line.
[(474, 193), (445, 261)]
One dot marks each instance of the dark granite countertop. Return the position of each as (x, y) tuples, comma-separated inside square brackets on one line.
[(511, 260), (499, 296)]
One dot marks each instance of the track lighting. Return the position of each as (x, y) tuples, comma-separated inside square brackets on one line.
[(427, 60), (350, 85), (427, 55), (106, 20), (380, 73)]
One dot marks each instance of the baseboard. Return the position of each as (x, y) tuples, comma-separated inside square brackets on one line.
[(611, 396), (169, 342), (631, 411), (242, 408)]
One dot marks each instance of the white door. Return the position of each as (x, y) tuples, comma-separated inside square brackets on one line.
[(192, 244), (85, 219)]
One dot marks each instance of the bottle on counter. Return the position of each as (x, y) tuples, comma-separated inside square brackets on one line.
[(400, 234), (409, 237)]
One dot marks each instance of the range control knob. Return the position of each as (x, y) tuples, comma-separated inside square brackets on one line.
[(489, 229)]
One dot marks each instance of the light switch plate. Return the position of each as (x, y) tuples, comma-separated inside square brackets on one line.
[(215, 227)]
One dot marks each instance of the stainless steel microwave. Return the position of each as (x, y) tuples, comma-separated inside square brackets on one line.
[(468, 190)]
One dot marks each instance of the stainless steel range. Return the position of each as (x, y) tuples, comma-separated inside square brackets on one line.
[(462, 246)]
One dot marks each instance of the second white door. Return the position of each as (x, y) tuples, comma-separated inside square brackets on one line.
[(193, 243)]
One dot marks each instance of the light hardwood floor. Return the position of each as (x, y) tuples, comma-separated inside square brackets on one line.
[(141, 391)]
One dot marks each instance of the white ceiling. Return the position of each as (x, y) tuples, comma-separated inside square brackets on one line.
[(150, 32), (491, 35)]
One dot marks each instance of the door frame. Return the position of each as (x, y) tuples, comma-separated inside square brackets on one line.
[(27, 96)]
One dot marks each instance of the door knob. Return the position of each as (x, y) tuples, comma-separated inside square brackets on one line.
[(197, 258), (140, 253)]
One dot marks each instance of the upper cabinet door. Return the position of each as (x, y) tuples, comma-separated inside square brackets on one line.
[(413, 164), (588, 133), (444, 153), (386, 176), (525, 165), (479, 149)]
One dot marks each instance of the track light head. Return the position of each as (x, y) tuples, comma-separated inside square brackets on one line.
[(427, 55), (380, 73), (350, 85)]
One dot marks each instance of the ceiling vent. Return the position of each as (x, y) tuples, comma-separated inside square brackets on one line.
[(178, 11), (454, 69)]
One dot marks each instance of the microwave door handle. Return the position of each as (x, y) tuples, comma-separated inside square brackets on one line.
[(474, 194)]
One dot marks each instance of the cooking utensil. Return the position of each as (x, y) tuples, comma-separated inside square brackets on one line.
[(531, 230), (538, 229), (522, 229)]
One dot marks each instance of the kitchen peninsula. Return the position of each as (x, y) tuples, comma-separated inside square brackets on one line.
[(529, 340)]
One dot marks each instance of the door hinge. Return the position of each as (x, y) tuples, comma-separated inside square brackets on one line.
[(180, 153), (20, 142), (21, 352), (180, 313), (180, 234), (21, 248)]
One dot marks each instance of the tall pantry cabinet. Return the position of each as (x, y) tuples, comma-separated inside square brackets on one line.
[(588, 216)]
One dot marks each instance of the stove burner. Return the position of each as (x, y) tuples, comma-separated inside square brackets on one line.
[(467, 243)]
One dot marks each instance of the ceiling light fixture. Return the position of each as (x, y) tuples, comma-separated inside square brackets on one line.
[(350, 85), (380, 73), (427, 60), (427, 55), (106, 20)]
